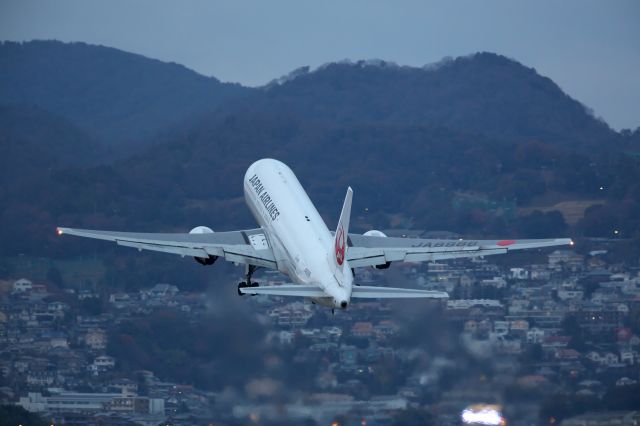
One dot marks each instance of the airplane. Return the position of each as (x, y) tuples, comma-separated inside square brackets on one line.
[(293, 239)]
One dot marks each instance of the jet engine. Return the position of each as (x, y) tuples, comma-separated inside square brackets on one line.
[(204, 260), (376, 233)]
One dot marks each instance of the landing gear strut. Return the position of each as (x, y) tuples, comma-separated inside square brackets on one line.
[(245, 284)]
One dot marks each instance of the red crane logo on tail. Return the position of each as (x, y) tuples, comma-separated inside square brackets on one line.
[(340, 244)]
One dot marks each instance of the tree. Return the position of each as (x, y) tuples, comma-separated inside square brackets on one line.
[(91, 306), (14, 415), (561, 406), (572, 328), (634, 319), (55, 277), (413, 417), (143, 387), (622, 398), (532, 354), (542, 224)]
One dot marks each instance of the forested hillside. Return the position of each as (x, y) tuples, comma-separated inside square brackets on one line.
[(117, 97), (479, 145), (33, 139), (484, 93)]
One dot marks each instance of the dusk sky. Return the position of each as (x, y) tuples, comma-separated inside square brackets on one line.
[(590, 48)]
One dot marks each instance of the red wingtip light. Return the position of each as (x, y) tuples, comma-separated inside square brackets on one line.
[(58, 231)]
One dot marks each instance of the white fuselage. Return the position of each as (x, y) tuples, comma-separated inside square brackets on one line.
[(301, 242)]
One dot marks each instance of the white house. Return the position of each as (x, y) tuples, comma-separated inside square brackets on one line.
[(125, 386), (160, 291), (626, 357), (569, 294), (566, 259), (96, 339), (519, 325), (104, 362), (501, 327), (609, 359), (539, 272), (593, 356), (535, 335), (285, 337), (58, 342), (22, 285), (625, 381), (41, 378), (519, 273), (497, 282), (57, 307)]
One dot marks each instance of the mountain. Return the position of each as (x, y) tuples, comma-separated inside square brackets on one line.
[(393, 168), (36, 145), (33, 140), (117, 97), (415, 143), (484, 93), (126, 100)]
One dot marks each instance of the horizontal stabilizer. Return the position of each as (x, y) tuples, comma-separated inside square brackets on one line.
[(362, 292), (286, 290), (366, 292)]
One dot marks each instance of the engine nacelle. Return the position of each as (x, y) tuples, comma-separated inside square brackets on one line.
[(201, 230), (204, 260), (376, 233)]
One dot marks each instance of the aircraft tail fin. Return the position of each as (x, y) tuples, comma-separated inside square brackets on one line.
[(342, 232)]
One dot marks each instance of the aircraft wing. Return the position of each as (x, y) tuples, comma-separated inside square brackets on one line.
[(249, 246), (365, 250)]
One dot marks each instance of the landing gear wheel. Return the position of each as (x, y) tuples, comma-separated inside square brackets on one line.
[(248, 283), (244, 284)]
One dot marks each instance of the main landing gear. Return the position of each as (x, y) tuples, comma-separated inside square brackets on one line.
[(245, 284)]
